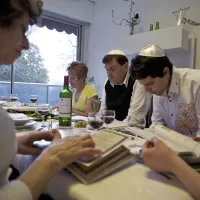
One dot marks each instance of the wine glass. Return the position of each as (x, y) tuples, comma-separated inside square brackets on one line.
[(43, 110), (95, 120), (14, 97), (108, 116), (33, 98)]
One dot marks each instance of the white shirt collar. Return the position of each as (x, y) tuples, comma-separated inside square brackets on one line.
[(175, 81), (125, 82)]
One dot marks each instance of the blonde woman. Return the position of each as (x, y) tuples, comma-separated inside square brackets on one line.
[(83, 93)]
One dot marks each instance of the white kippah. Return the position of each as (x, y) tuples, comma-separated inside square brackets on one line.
[(152, 51), (116, 52)]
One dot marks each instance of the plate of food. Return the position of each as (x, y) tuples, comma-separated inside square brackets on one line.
[(80, 124)]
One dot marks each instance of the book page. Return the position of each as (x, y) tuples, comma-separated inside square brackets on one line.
[(178, 138), (148, 134), (140, 132), (107, 141)]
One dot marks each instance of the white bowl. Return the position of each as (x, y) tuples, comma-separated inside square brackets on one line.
[(21, 121), (28, 125)]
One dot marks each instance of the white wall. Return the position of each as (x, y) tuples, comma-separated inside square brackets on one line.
[(104, 35), (77, 9)]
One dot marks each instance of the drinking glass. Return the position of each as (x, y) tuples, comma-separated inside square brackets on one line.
[(95, 106), (33, 98), (95, 120), (43, 111), (108, 116), (14, 97)]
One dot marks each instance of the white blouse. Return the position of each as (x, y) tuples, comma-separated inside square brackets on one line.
[(15, 189)]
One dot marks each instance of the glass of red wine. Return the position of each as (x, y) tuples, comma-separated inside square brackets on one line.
[(43, 111), (108, 116), (33, 98), (14, 97), (95, 120)]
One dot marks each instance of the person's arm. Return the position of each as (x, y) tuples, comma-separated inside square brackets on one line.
[(57, 156), (53, 158), (156, 115), (188, 176), (15, 190), (88, 107), (26, 141), (139, 105), (160, 158), (196, 96)]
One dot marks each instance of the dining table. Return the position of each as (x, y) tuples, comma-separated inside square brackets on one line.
[(133, 181)]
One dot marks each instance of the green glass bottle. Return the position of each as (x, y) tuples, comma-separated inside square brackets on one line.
[(157, 26), (65, 106), (151, 27)]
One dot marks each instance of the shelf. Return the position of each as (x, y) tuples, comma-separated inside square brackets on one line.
[(173, 38)]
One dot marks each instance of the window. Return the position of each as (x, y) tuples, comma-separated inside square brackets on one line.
[(5, 80), (54, 42)]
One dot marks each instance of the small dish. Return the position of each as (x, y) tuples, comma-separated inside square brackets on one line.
[(28, 125)]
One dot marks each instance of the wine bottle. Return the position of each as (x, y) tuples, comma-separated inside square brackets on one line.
[(65, 106)]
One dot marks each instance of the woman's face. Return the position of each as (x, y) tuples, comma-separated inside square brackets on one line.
[(74, 81), (13, 40)]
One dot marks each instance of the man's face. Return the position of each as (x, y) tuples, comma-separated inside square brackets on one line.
[(116, 72), (156, 85), (13, 40)]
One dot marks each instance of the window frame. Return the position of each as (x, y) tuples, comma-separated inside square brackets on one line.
[(82, 38)]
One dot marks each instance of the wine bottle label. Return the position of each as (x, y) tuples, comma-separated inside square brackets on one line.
[(64, 115), (65, 106)]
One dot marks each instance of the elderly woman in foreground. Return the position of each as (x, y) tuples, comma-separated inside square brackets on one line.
[(15, 16)]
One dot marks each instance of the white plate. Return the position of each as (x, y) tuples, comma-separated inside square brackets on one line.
[(26, 126), (19, 118), (23, 108), (22, 122)]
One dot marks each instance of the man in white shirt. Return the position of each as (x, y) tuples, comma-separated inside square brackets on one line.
[(122, 93), (176, 100)]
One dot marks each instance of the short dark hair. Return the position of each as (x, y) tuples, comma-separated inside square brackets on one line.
[(10, 10), (142, 66), (121, 59)]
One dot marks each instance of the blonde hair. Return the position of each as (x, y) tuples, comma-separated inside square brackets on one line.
[(79, 68)]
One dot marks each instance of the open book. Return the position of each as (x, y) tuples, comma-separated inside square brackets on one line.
[(176, 141), (114, 155), (184, 146)]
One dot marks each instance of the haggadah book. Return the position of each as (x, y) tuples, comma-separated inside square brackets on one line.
[(114, 156)]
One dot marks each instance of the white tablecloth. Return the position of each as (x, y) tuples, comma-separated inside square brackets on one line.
[(133, 182)]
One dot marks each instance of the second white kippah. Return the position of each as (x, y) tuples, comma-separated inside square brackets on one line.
[(152, 51), (116, 52)]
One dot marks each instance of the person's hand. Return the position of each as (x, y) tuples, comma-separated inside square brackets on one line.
[(25, 141), (66, 150), (197, 139), (158, 156)]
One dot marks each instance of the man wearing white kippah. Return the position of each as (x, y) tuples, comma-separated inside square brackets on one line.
[(176, 100), (122, 93)]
